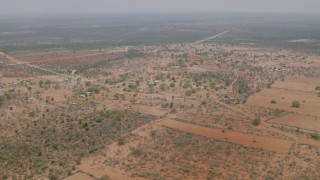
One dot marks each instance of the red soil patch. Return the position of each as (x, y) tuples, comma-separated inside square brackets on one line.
[(266, 143), (310, 102), (300, 121), (308, 141), (79, 176), (298, 83)]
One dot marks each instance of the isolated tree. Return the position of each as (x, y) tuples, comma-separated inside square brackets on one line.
[(41, 84), (256, 121)]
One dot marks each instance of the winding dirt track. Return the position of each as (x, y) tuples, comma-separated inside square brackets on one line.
[(267, 143)]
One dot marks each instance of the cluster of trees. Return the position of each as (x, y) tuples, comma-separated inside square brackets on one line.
[(1, 99), (44, 84), (122, 78)]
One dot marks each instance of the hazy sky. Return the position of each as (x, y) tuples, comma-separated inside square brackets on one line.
[(143, 6)]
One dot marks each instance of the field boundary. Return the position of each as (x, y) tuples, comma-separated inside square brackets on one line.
[(266, 143), (288, 126)]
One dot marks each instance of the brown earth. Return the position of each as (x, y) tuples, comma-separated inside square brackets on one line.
[(299, 121), (267, 143)]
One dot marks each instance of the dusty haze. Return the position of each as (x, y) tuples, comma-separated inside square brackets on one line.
[(163, 6)]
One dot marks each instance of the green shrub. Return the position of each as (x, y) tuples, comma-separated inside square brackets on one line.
[(256, 121), (295, 104), (315, 136), (121, 141), (41, 84), (243, 86), (273, 101), (137, 152), (163, 87), (1, 99), (105, 177), (190, 92), (2, 158), (132, 87), (160, 76), (212, 84), (94, 90), (31, 114)]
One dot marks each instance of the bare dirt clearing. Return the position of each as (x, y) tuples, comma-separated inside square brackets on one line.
[(299, 121), (270, 144), (310, 102), (298, 84), (79, 176)]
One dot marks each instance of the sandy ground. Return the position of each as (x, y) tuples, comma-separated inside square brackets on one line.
[(299, 121), (298, 83), (269, 144), (79, 176), (310, 102)]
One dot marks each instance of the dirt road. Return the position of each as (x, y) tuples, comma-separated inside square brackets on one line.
[(17, 61), (212, 37), (70, 57), (220, 34)]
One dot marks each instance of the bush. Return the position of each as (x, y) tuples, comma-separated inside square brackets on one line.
[(31, 114), (53, 177), (318, 88), (163, 87), (41, 84), (190, 92), (94, 90), (212, 84), (137, 152), (105, 177), (256, 121), (243, 86), (121, 141), (315, 136), (273, 101), (296, 104), (160, 76)]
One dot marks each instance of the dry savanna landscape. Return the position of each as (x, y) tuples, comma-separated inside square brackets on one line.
[(172, 98)]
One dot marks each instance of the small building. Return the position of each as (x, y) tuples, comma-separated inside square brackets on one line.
[(179, 99), (88, 93)]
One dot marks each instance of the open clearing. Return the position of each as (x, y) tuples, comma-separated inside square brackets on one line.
[(310, 102), (299, 121), (283, 93), (79, 176), (298, 84), (270, 144)]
